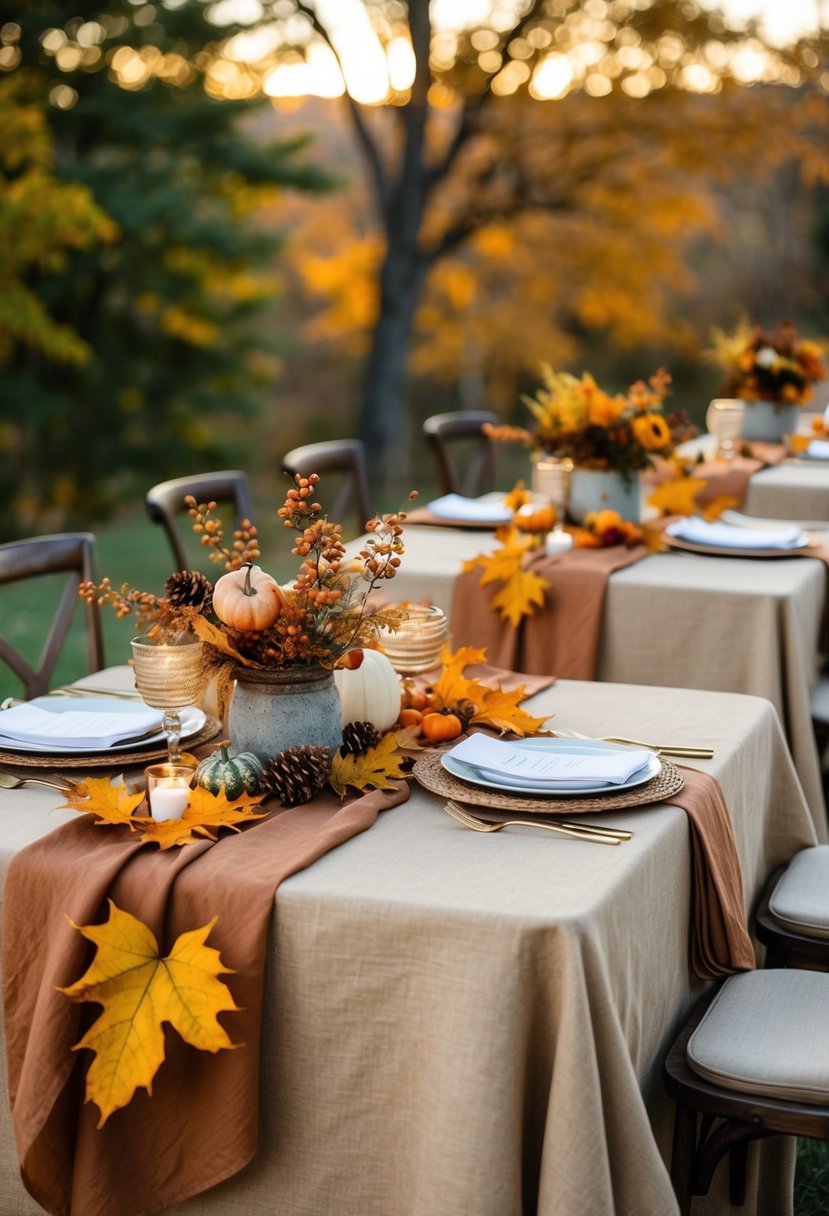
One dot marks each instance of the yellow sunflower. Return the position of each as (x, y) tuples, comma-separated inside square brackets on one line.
[(652, 431)]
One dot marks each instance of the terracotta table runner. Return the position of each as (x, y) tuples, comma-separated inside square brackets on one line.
[(562, 636), (201, 1124)]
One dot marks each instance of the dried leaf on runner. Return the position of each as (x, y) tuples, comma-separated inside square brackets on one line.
[(520, 595), (205, 814), (723, 502), (139, 991), (107, 802), (492, 706), (522, 591), (677, 496), (377, 768)]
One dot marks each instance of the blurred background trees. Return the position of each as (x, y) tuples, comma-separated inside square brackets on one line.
[(593, 184)]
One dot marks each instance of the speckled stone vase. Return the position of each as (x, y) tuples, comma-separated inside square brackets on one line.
[(273, 710), (769, 421), (597, 490)]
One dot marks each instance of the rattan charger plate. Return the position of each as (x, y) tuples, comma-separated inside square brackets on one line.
[(429, 772), (61, 760)]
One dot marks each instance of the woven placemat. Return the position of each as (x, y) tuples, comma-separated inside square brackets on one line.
[(61, 760), (428, 771)]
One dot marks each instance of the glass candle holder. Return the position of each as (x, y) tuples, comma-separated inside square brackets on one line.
[(168, 789), (724, 419), (169, 676), (417, 645)]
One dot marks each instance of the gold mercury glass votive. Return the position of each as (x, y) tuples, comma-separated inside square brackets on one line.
[(417, 645), (551, 482)]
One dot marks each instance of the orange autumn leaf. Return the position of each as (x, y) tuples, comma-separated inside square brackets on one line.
[(107, 802), (215, 637), (723, 502), (377, 768), (677, 496), (490, 706), (522, 590), (520, 595), (139, 991)]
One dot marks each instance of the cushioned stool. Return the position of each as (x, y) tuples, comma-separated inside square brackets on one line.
[(754, 1062), (793, 917)]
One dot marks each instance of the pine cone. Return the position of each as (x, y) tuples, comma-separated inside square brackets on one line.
[(358, 737), (189, 589), (297, 774)]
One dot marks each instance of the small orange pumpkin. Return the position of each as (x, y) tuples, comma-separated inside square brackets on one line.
[(248, 599), (535, 517), (410, 717), (440, 727)]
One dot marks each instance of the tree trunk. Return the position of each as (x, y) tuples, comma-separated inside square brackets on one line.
[(384, 421)]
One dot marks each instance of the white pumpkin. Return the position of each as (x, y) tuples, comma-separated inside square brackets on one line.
[(371, 693)]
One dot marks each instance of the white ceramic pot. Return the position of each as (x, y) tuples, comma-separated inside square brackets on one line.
[(599, 490), (769, 421)]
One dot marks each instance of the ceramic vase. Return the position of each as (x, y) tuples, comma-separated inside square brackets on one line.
[(769, 421), (603, 490), (273, 710)]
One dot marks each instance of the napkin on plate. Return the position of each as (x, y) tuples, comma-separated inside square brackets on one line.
[(488, 509), (30, 723), (543, 768), (818, 449), (701, 532)]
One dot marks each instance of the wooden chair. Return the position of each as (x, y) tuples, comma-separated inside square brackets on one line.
[(165, 503), (448, 435), (345, 457), (70, 553), (751, 1062), (793, 916)]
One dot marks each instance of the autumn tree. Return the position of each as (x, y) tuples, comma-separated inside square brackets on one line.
[(449, 154), (160, 320)]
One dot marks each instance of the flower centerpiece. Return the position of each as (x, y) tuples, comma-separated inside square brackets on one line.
[(612, 436), (273, 639), (773, 371)]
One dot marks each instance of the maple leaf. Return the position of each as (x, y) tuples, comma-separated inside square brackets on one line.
[(107, 802), (723, 502), (522, 590), (204, 815), (216, 638), (492, 706), (139, 991), (374, 769), (520, 596), (677, 496)]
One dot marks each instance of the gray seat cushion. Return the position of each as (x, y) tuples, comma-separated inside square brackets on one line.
[(800, 901), (767, 1032)]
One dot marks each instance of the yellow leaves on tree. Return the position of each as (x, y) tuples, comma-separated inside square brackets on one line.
[(490, 706), (205, 814), (140, 991), (521, 591), (377, 768)]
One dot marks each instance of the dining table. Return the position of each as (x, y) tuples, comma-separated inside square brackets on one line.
[(467, 1024), (681, 619)]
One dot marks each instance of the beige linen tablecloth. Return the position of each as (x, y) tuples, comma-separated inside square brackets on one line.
[(474, 1025), (687, 621), (797, 489)]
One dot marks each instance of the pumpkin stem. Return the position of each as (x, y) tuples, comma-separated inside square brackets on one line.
[(247, 589)]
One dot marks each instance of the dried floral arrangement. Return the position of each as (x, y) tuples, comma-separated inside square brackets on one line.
[(768, 365), (576, 418), (246, 618)]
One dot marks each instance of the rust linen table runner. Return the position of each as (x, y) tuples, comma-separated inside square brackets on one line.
[(201, 1124), (562, 636)]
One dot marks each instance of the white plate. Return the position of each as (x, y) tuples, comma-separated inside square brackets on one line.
[(192, 720), (466, 772), (740, 539)]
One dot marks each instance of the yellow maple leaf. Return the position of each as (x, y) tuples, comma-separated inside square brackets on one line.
[(204, 815), (139, 991), (522, 591), (490, 706), (723, 502), (520, 596), (107, 802), (216, 638), (374, 769), (677, 496)]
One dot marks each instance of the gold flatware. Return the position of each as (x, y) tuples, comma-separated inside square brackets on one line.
[(10, 781), (662, 749), (488, 825), (106, 693)]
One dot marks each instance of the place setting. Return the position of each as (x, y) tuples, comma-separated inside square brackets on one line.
[(735, 534)]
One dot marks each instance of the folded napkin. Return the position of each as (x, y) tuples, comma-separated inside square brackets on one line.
[(552, 766), (68, 726), (488, 509), (720, 535), (818, 449), (201, 1124), (720, 941), (738, 520)]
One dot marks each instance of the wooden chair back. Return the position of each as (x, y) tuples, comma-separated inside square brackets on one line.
[(456, 435), (70, 553), (165, 504), (340, 456)]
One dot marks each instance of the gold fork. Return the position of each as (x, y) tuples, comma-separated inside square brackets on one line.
[(597, 836), (11, 781)]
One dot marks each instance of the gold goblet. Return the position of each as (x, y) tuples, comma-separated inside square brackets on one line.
[(169, 676)]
